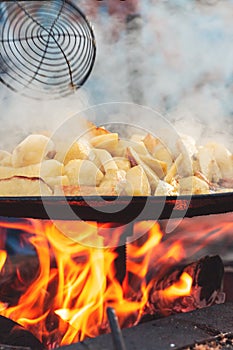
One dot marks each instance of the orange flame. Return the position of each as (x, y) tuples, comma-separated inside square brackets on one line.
[(3, 256), (64, 300), (180, 288)]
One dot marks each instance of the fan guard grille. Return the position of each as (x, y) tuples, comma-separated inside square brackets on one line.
[(47, 47)]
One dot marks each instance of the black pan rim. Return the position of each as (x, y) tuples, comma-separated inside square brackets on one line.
[(79, 199)]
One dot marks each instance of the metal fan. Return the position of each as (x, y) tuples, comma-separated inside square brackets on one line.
[(47, 47)]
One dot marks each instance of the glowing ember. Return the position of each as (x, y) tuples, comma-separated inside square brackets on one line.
[(180, 288), (64, 300)]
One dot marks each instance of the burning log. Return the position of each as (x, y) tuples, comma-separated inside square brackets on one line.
[(17, 337), (16, 277), (202, 280), (53, 292)]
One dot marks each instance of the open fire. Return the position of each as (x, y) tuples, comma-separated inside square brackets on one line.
[(61, 287)]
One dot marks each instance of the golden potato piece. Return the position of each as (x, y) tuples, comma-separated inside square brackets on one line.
[(5, 158), (195, 164), (139, 147), (186, 144), (159, 167), (97, 131), (113, 182), (78, 150), (47, 168), (121, 150), (134, 158), (165, 189), (137, 182), (193, 185), (106, 141), (122, 163), (57, 181), (208, 164), (113, 174), (51, 167), (163, 154), (151, 143), (83, 172), (174, 169), (32, 150), (28, 171), (158, 149), (24, 186), (223, 158), (105, 159), (137, 137)]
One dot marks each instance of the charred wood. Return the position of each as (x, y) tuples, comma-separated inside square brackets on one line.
[(207, 277), (15, 335)]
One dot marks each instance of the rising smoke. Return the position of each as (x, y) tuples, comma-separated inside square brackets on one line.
[(179, 57)]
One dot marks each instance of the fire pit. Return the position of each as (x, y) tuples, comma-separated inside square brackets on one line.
[(59, 289)]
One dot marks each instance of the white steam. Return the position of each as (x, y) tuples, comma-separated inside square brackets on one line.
[(181, 62)]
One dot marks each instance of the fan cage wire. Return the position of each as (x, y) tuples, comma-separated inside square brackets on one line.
[(47, 47)]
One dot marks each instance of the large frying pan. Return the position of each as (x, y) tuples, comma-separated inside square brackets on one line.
[(115, 209)]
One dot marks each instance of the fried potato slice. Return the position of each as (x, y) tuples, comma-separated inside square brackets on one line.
[(223, 158), (47, 168), (94, 130), (105, 159), (137, 138), (78, 150), (5, 158), (158, 150), (208, 164), (51, 167), (83, 172), (109, 142), (122, 163), (139, 147), (165, 189), (163, 154), (28, 171), (113, 182), (193, 185), (195, 164), (151, 143), (55, 181), (24, 186), (32, 150), (174, 169), (135, 159), (159, 167), (186, 144), (187, 147), (137, 182), (122, 146)]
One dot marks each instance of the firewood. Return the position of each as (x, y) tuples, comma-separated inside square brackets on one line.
[(14, 335), (207, 276)]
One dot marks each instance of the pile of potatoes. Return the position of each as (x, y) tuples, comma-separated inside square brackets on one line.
[(102, 163)]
